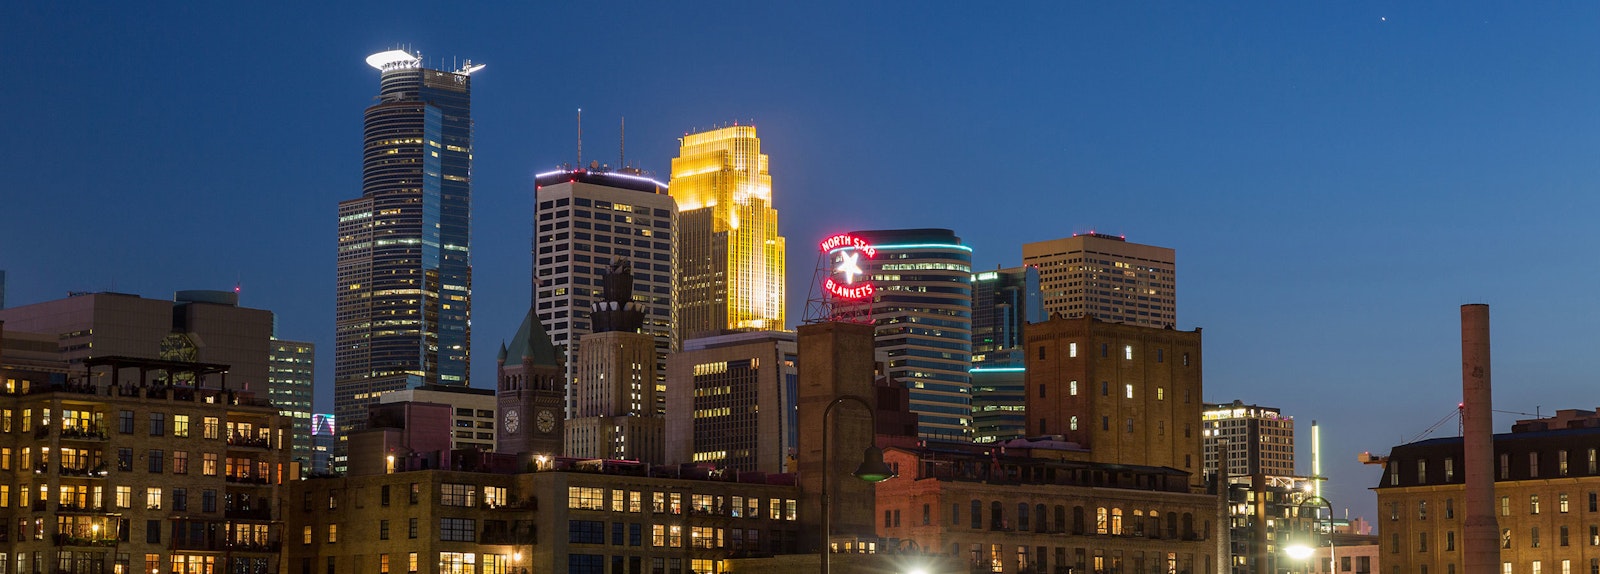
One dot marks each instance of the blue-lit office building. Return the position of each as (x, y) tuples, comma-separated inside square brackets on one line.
[(1004, 301), (404, 291), (923, 311)]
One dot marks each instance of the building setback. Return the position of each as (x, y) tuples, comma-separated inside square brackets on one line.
[(1105, 276), (730, 269), (403, 299), (291, 379)]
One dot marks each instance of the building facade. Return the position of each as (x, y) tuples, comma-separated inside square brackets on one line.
[(922, 307), (122, 464), (403, 304), (1105, 276), (1547, 499), (731, 402), (1243, 440), (1030, 514), (531, 393), (291, 379), (730, 270), (999, 407), (587, 220), (472, 423), (1004, 301), (1129, 394)]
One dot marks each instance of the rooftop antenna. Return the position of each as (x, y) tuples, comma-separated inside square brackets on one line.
[(622, 144), (580, 138)]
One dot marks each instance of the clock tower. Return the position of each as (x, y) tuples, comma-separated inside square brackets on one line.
[(531, 394)]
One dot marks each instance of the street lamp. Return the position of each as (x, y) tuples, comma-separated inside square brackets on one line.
[(1304, 551), (872, 469)]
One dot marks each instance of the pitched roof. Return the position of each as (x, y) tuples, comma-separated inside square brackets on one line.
[(532, 341)]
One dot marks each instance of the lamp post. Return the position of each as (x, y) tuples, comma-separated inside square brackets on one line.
[(872, 469), (1303, 552)]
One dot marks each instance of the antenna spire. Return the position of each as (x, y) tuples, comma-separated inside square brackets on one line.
[(622, 144), (580, 138)]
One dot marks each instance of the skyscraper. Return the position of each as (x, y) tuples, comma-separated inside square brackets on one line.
[(616, 415), (732, 402), (923, 311), (1251, 439), (730, 256), (291, 378), (1106, 277), (404, 294), (586, 220)]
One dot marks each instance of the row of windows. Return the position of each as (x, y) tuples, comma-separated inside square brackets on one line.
[(594, 498)]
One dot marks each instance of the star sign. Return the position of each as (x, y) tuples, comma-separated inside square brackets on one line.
[(849, 267)]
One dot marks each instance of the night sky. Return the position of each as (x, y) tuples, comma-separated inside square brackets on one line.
[(1337, 178)]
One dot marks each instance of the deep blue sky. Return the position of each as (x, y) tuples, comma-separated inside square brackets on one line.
[(1336, 177)]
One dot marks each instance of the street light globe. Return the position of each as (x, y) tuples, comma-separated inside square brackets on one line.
[(1298, 551), (917, 571)]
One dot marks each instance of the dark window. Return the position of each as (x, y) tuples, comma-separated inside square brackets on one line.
[(208, 501), (158, 424), (383, 530), (125, 422), (125, 459), (411, 529), (180, 499), (152, 531), (458, 530), (383, 495), (586, 532), (157, 460)]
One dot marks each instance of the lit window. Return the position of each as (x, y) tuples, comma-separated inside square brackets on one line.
[(1128, 390), (1127, 352)]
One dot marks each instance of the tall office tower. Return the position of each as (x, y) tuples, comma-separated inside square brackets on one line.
[(1105, 276), (730, 256), (923, 311), (1254, 439), (586, 220), (324, 438), (2, 288), (530, 393), (204, 326), (1127, 393), (291, 377), (404, 291), (616, 415), (1004, 301), (999, 409), (731, 402)]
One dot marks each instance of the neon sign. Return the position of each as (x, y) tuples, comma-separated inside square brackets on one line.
[(855, 284)]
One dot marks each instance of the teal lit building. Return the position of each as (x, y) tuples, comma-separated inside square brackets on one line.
[(922, 307), (404, 290)]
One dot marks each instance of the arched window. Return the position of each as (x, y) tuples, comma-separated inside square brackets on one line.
[(997, 516), (1188, 525), (1102, 521), (1038, 519), (1077, 520), (1172, 525), (1116, 521), (1022, 516)]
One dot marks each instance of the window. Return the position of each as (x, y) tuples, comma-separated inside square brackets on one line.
[(124, 497), (1450, 541), (1505, 506), (211, 427), (152, 531), (1505, 466), (383, 530), (1449, 508), (586, 498), (158, 424), (1449, 469), (152, 498), (1394, 473), (180, 500), (180, 462), (411, 529), (1072, 350), (1533, 464), (208, 463), (1422, 471), (125, 422), (383, 495), (411, 563), (1128, 390), (1561, 503), (1073, 422), (1127, 352), (1072, 388), (1533, 536), (458, 495), (1161, 393), (333, 533), (1422, 510), (1422, 542), (1564, 537), (180, 426), (208, 501), (460, 530), (1561, 462), (1533, 504), (1505, 538), (305, 534), (586, 532), (1105, 388), (124, 459), (157, 460)]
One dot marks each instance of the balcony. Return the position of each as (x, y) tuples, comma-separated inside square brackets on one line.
[(69, 540), (82, 471), (249, 442), (253, 546), (248, 480), (84, 434), (77, 509)]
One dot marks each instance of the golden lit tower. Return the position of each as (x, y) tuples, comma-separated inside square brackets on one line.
[(730, 274)]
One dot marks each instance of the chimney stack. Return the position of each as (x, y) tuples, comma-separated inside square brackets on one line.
[(1482, 535)]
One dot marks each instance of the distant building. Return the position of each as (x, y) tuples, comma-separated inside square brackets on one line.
[(1004, 301), (324, 439), (403, 297), (1546, 473), (1129, 394), (2, 288), (922, 307), (530, 393), (291, 379), (730, 269), (1105, 276), (195, 326), (731, 402), (586, 220), (615, 415), (999, 404), (1252, 439), (472, 420)]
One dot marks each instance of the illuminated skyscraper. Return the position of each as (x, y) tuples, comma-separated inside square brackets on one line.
[(730, 256), (404, 266), (1106, 277)]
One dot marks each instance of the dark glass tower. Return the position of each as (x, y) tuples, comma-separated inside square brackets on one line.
[(404, 297)]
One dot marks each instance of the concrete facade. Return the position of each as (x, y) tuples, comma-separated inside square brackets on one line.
[(615, 415), (472, 421), (1250, 439), (1105, 276), (731, 402)]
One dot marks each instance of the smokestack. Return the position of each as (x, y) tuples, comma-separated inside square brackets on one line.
[(1482, 540)]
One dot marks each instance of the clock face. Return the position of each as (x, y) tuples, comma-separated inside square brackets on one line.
[(512, 420), (546, 420)]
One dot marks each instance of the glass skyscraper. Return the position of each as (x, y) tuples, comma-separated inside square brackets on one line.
[(923, 312), (404, 295)]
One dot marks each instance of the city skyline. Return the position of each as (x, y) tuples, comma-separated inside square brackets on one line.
[(1338, 179)]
